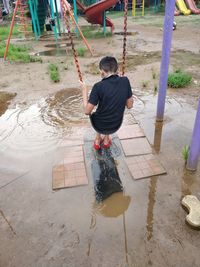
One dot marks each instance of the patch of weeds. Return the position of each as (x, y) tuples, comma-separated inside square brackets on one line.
[(81, 51), (145, 84), (91, 33), (18, 53), (54, 73), (4, 32), (153, 73), (185, 153), (155, 88), (179, 79)]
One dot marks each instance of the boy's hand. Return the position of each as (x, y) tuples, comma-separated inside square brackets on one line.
[(83, 85)]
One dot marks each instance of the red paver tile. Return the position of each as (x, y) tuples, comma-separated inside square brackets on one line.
[(136, 146), (73, 155), (74, 174), (58, 175), (143, 168), (130, 131), (59, 167)]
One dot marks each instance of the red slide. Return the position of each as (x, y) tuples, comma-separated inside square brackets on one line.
[(192, 6), (94, 13)]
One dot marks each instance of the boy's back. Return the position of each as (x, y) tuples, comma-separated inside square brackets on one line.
[(110, 95)]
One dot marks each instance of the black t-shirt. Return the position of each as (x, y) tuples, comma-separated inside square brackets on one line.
[(110, 94)]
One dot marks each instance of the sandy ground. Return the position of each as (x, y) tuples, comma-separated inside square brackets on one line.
[(41, 227)]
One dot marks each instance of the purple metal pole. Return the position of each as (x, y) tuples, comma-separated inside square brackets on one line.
[(166, 46), (195, 144)]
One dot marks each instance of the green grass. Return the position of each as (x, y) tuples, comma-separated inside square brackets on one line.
[(18, 53), (185, 152), (4, 31), (91, 32), (179, 79), (81, 51), (54, 73)]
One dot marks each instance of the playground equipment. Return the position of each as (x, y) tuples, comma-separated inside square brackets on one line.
[(192, 6), (19, 11), (94, 13), (140, 5), (194, 151), (182, 7)]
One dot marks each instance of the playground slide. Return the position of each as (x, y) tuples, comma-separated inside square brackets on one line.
[(94, 13), (176, 12), (192, 6), (182, 7)]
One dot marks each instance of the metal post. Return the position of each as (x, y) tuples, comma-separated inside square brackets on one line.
[(11, 28), (57, 16), (195, 144), (53, 17), (104, 23), (133, 7), (167, 38), (75, 15)]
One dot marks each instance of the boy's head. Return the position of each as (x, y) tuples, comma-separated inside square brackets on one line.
[(108, 65)]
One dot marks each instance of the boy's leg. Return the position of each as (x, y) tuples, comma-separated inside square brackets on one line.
[(97, 140), (107, 139)]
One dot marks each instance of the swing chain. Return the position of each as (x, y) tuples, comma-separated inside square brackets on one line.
[(72, 42), (125, 36)]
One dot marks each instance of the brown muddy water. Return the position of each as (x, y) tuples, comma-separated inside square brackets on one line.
[(142, 226)]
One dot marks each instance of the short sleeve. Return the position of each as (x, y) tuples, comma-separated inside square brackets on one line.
[(94, 96), (129, 91)]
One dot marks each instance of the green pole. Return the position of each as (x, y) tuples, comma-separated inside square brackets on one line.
[(57, 17), (33, 18), (53, 17), (75, 15), (104, 23)]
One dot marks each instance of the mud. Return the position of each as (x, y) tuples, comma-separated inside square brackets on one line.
[(142, 226), (5, 99)]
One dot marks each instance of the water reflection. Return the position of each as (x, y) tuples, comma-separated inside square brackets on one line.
[(158, 136), (113, 206), (106, 178), (150, 208)]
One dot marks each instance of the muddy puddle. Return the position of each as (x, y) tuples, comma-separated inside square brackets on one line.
[(40, 126), (53, 52), (179, 58), (5, 99)]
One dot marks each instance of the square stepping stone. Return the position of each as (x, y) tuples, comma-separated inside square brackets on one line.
[(73, 154), (144, 166), (130, 131), (129, 119), (69, 175), (136, 146)]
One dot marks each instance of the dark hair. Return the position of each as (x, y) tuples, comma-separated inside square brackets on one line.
[(108, 64)]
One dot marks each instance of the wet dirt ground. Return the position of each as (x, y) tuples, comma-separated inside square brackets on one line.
[(145, 226)]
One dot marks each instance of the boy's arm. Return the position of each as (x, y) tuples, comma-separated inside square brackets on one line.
[(129, 102), (88, 107)]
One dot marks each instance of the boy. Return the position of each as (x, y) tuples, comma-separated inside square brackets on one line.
[(112, 94)]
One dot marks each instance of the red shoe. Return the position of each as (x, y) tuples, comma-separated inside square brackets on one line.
[(96, 147), (106, 146)]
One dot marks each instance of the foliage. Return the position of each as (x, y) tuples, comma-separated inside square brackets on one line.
[(18, 53), (81, 51), (4, 32), (179, 79), (145, 84), (91, 32), (54, 73), (185, 152)]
